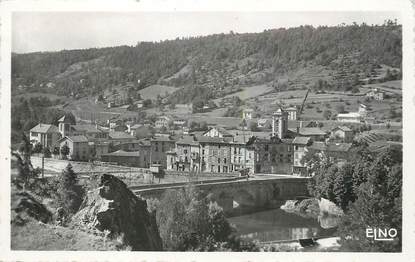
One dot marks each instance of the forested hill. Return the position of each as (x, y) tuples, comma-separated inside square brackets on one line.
[(213, 64)]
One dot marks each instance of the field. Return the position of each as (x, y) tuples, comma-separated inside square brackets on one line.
[(248, 92), (151, 92)]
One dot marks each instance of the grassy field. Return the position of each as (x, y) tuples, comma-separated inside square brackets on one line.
[(39, 236), (152, 91)]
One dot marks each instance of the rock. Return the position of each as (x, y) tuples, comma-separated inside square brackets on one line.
[(326, 206), (24, 206), (113, 207)]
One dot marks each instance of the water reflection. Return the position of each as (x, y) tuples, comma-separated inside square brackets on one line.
[(276, 224)]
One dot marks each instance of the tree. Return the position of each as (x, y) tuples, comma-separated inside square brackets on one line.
[(37, 148), (378, 205), (65, 151), (188, 220), (70, 193), (327, 114), (55, 151), (25, 148), (46, 152)]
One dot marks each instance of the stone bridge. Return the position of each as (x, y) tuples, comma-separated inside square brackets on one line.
[(238, 195)]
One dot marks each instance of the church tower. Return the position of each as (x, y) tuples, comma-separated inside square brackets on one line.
[(280, 123), (64, 126)]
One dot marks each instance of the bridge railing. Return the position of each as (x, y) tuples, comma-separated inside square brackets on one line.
[(154, 186)]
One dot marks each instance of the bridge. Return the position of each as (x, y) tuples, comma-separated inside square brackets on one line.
[(238, 194)]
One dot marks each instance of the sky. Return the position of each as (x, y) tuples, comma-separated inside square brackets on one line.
[(54, 31)]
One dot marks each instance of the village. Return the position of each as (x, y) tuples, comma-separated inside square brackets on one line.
[(274, 145)]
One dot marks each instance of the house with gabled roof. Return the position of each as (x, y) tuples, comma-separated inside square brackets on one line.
[(79, 149), (44, 134)]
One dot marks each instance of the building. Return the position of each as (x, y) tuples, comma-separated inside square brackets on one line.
[(44, 134), (247, 113), (315, 133), (79, 149), (300, 145), (335, 151), (376, 94), (353, 117), (92, 132), (118, 127), (342, 133), (273, 155), (159, 148), (292, 113), (242, 154), (185, 156), (217, 132), (215, 154), (118, 137), (162, 121)]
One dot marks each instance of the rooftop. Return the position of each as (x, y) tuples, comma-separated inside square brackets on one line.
[(123, 153), (309, 131), (343, 128), (301, 140), (76, 139), (86, 128), (45, 128), (120, 135)]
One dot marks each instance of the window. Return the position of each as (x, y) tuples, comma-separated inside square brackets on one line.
[(234, 150), (224, 160), (218, 160), (239, 151), (289, 149), (266, 147), (239, 159), (185, 159), (185, 151), (203, 152), (295, 147), (218, 169), (225, 169)]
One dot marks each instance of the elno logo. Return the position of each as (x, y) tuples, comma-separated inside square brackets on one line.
[(381, 234)]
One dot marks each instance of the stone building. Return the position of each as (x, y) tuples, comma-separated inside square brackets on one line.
[(273, 155)]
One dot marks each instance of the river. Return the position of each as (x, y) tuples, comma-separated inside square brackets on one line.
[(276, 224)]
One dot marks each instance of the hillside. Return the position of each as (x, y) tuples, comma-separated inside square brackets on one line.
[(223, 72), (219, 63)]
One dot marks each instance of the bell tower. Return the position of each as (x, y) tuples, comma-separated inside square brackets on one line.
[(280, 123), (64, 126)]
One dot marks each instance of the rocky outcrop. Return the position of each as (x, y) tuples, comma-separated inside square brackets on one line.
[(24, 206), (113, 207)]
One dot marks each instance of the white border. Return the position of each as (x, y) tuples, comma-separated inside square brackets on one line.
[(407, 19)]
